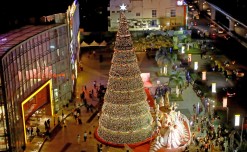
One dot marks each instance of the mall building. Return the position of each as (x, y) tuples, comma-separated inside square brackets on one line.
[(38, 69), (149, 14)]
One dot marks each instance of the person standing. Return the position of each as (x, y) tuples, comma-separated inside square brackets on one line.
[(46, 126), (85, 136), (28, 130), (101, 147), (64, 123), (98, 148), (31, 131), (78, 138), (37, 131), (62, 114), (94, 84), (98, 114), (48, 123)]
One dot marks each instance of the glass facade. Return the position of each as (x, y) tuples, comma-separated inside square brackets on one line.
[(25, 68)]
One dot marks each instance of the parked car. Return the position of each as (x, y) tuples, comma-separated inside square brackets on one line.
[(213, 35), (220, 31), (211, 24), (239, 72)]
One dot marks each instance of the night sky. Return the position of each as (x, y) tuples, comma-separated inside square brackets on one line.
[(93, 13), (14, 14), (236, 8)]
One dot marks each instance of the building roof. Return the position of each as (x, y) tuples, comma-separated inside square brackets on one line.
[(14, 37)]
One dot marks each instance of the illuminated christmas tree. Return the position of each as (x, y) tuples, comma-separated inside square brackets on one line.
[(125, 116)]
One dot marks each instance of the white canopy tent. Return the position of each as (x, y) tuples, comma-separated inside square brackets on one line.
[(94, 43), (103, 43), (84, 44)]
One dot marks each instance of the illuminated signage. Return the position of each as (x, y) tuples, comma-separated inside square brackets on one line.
[(213, 87), (237, 120), (180, 2)]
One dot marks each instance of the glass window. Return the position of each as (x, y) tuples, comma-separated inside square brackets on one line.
[(154, 13), (168, 13), (138, 14), (173, 13)]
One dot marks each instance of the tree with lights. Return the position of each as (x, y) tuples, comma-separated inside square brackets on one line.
[(125, 117)]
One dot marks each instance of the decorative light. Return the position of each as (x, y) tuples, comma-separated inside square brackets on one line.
[(213, 87), (125, 116), (204, 75), (182, 49), (123, 7), (195, 65), (225, 102), (189, 57), (237, 120)]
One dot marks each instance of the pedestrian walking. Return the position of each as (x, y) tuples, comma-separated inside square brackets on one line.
[(98, 115), (98, 148), (85, 136), (64, 123), (101, 147), (82, 95), (48, 123), (79, 121), (94, 84), (62, 114), (78, 139), (90, 94), (81, 67), (31, 131), (37, 131)]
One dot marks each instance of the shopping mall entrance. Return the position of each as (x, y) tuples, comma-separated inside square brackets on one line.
[(36, 109)]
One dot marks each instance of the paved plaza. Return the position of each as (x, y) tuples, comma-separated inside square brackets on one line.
[(66, 138)]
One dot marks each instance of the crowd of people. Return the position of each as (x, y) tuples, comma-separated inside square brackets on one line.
[(97, 94), (208, 134)]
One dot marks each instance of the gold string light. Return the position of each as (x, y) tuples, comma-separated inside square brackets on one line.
[(125, 116)]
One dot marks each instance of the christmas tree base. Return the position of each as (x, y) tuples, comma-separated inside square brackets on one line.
[(133, 145)]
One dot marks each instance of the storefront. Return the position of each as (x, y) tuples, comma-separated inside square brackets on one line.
[(37, 105)]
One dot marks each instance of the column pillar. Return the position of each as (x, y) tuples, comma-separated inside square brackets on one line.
[(231, 25), (213, 11), (200, 4)]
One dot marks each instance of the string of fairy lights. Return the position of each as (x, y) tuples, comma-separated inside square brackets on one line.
[(137, 109), (127, 98), (125, 116)]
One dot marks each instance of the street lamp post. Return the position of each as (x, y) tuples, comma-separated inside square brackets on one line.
[(242, 128), (227, 113)]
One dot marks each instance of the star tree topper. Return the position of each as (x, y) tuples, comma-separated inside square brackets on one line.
[(123, 7)]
